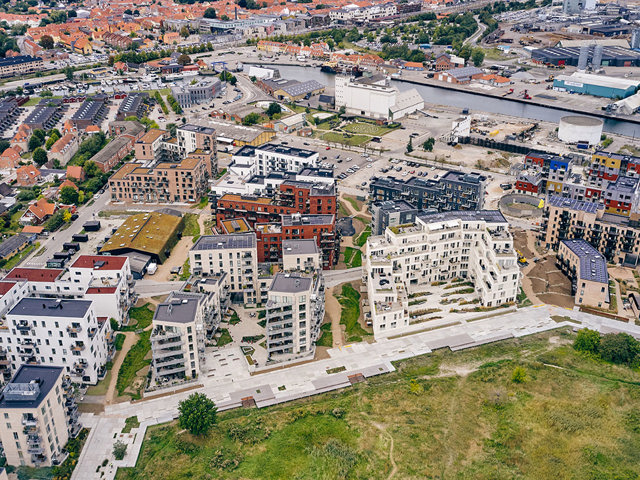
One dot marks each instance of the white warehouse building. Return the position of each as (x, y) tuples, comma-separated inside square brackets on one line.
[(475, 245), (374, 97)]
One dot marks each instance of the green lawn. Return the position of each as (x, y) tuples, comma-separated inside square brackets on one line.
[(579, 421), (367, 129), (132, 363), (18, 257), (354, 203), (103, 385), (141, 317), (120, 337), (225, 338), (129, 423), (326, 337), (352, 257), (353, 140), (349, 298), (362, 238), (191, 226)]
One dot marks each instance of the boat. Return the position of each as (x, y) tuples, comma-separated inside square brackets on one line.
[(336, 68)]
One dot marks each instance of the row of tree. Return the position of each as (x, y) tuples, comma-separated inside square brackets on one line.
[(619, 348)]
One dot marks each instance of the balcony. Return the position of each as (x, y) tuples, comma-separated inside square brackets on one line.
[(23, 326), (74, 329), (78, 347), (30, 422)]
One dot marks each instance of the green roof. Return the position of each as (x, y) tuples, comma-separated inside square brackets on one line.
[(145, 232)]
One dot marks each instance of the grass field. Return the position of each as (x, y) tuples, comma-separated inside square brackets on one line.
[(141, 317), (349, 298), (128, 381), (367, 129), (353, 140), (191, 226), (578, 421), (361, 239), (352, 257), (326, 338)]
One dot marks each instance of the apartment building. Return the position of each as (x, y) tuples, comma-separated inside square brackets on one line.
[(295, 311), (39, 415), (587, 270), (185, 181), (149, 147), (54, 331), (179, 334), (475, 245), (275, 158), (92, 111), (301, 255), (453, 191), (134, 105), (217, 286), (201, 92), (235, 254), (391, 213), (20, 65), (616, 237)]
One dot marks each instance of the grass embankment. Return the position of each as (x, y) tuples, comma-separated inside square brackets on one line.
[(129, 383), (326, 336), (191, 226), (352, 257), (349, 298), (140, 318), (225, 338), (577, 421), (361, 239)]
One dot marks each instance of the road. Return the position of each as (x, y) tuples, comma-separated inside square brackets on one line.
[(54, 242), (230, 385), (473, 39)]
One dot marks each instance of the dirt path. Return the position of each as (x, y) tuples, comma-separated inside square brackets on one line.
[(179, 255), (394, 467), (130, 339), (333, 310), (204, 214), (363, 212)]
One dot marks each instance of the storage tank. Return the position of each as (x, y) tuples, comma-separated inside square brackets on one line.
[(578, 129)]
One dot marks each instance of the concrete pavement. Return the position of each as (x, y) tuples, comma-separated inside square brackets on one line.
[(234, 383)]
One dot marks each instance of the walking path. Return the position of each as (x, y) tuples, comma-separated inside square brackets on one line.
[(129, 341), (311, 378), (333, 309)]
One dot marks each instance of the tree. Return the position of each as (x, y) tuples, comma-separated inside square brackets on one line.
[(477, 56), (251, 119), (273, 109), (587, 341), (69, 195), (184, 59), (40, 156), (66, 216), (519, 375), (619, 348), (72, 14), (410, 145), (210, 13), (184, 32), (197, 414), (46, 42), (119, 450), (428, 144)]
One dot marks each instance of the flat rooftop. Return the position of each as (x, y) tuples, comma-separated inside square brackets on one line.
[(494, 216), (146, 232), (51, 307), (100, 262), (593, 265), (223, 242), (571, 204), (35, 274), (297, 219), (290, 283), (300, 247), (29, 386)]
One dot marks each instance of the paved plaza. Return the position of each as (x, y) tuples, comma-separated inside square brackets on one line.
[(229, 381)]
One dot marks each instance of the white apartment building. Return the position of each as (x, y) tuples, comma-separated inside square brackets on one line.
[(374, 97), (295, 310), (363, 14), (272, 157), (179, 334), (217, 287), (38, 414), (475, 245), (235, 254), (57, 332), (106, 280), (301, 255), (11, 291)]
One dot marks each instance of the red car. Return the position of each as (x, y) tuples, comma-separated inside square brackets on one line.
[(412, 172), (328, 148)]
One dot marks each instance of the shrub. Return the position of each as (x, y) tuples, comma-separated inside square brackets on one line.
[(519, 375), (587, 341), (119, 450), (619, 348)]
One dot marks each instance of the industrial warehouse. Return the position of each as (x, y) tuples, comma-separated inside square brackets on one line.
[(598, 55)]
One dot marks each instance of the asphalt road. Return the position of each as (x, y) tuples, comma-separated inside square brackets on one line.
[(54, 242)]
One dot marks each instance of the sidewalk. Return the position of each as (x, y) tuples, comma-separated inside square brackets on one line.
[(312, 378)]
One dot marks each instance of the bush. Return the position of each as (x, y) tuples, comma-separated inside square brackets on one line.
[(119, 450), (519, 375), (619, 348), (587, 341), (173, 103)]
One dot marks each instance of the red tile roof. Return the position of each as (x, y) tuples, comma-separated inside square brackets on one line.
[(110, 262), (35, 274), (6, 286), (101, 290)]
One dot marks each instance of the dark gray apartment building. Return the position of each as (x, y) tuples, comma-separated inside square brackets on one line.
[(391, 213), (453, 191)]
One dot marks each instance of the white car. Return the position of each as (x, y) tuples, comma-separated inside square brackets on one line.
[(356, 167), (369, 165)]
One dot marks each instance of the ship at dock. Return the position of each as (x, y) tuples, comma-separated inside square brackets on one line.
[(339, 68)]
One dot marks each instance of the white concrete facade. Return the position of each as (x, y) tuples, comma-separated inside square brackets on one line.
[(436, 248)]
